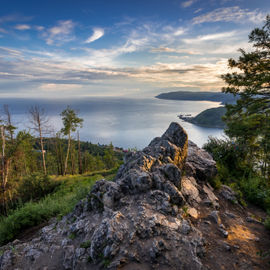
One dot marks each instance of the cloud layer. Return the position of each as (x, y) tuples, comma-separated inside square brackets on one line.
[(186, 52), (230, 14)]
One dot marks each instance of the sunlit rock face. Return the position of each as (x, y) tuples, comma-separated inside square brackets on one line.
[(138, 221)]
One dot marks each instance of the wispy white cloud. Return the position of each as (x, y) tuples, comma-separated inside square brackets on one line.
[(230, 14), (173, 50), (188, 3), (22, 27), (212, 37), (39, 28), (198, 10), (60, 33), (14, 18), (59, 86), (10, 52), (97, 34)]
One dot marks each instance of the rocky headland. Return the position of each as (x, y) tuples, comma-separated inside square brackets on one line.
[(160, 212)]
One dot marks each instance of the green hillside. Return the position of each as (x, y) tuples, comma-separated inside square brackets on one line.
[(208, 118)]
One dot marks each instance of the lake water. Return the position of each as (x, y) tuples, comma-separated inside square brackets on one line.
[(125, 122)]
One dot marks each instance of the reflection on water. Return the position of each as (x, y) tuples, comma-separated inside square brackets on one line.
[(124, 122)]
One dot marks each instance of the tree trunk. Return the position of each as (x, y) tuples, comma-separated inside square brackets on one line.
[(79, 155), (42, 151), (66, 161), (72, 159)]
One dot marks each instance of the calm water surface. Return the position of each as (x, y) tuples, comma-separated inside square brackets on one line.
[(124, 122)]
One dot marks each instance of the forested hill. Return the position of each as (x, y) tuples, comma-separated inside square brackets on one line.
[(199, 96), (208, 118)]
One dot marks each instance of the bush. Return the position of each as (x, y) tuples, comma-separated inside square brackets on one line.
[(267, 223), (256, 191), (230, 157), (234, 170), (71, 190), (35, 186)]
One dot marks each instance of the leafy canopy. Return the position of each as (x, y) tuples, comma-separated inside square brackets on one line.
[(70, 121)]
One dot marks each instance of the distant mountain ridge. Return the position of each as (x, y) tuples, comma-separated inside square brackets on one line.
[(199, 96)]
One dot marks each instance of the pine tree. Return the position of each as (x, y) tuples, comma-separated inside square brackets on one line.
[(71, 122), (248, 121)]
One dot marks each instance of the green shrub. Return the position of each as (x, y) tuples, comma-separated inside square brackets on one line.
[(235, 170), (230, 157), (71, 189), (256, 191), (35, 186), (267, 223), (86, 244)]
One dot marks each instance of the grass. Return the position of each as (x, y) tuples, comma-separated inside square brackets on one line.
[(86, 244), (59, 203)]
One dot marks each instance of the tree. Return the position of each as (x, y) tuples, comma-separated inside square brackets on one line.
[(109, 157), (10, 128), (39, 122), (248, 121), (71, 122)]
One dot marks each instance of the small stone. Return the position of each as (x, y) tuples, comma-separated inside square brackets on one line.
[(253, 220), (226, 246), (224, 232), (230, 215), (79, 252), (193, 212), (16, 241), (175, 209), (207, 203), (228, 194), (214, 216), (185, 227), (207, 222), (222, 226), (33, 254)]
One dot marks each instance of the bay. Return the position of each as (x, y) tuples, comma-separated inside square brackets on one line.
[(125, 122)]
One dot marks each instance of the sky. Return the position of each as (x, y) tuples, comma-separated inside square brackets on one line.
[(130, 48)]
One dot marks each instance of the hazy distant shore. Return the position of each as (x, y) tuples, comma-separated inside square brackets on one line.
[(198, 96)]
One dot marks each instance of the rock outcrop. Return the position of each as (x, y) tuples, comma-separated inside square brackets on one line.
[(147, 218)]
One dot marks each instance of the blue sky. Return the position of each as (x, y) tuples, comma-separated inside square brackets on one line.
[(55, 49)]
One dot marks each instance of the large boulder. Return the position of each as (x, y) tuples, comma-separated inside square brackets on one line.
[(133, 222), (199, 163)]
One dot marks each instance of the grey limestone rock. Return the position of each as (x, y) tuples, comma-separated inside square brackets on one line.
[(199, 163), (135, 220), (228, 194)]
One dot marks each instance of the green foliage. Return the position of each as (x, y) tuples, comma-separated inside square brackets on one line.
[(235, 170), (70, 121), (72, 236), (230, 157), (70, 191), (209, 118), (35, 186), (267, 223), (248, 121), (109, 157), (85, 244)]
